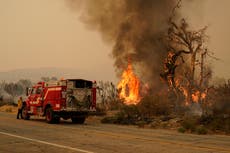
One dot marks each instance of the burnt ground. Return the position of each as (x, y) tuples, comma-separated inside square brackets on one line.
[(35, 135)]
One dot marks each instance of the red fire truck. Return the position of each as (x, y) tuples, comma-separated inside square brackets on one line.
[(70, 98)]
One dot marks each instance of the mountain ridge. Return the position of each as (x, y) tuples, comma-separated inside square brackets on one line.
[(35, 74)]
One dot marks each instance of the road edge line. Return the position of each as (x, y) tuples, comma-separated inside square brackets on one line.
[(47, 143)]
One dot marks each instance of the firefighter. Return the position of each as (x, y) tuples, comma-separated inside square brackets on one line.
[(19, 107)]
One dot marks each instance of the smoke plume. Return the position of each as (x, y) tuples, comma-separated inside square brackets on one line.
[(134, 28)]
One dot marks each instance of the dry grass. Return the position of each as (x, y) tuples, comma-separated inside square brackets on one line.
[(9, 109)]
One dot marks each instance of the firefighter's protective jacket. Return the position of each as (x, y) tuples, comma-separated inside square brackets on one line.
[(19, 104)]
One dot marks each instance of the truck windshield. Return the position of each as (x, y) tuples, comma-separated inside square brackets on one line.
[(79, 84), (39, 90), (35, 91), (83, 84)]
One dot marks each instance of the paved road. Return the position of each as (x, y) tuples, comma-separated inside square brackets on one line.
[(36, 136)]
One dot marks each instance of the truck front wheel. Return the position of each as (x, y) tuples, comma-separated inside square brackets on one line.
[(78, 120), (25, 114), (49, 115)]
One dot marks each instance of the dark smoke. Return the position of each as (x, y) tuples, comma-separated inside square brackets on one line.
[(135, 28)]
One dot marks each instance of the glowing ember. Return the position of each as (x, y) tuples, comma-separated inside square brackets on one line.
[(129, 86), (203, 96), (196, 96), (185, 92)]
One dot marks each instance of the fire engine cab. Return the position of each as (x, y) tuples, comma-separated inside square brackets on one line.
[(70, 98)]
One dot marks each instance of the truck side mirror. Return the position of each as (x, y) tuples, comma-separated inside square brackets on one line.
[(27, 91)]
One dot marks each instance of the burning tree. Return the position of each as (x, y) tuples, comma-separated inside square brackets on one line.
[(185, 68), (129, 86)]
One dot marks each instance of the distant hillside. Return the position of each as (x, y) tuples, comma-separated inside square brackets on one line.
[(37, 73)]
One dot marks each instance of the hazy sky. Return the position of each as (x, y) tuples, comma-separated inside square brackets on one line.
[(46, 33)]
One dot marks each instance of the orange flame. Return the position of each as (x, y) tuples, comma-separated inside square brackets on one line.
[(129, 86), (198, 96)]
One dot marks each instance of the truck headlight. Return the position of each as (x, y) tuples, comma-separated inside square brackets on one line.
[(57, 105)]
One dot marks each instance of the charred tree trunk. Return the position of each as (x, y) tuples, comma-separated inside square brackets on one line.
[(193, 65), (202, 68)]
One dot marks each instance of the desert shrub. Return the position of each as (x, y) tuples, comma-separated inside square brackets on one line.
[(189, 124), (141, 123), (201, 130), (131, 111), (203, 124), (220, 124), (109, 120), (216, 123), (205, 120), (128, 114), (154, 105), (192, 125), (181, 130)]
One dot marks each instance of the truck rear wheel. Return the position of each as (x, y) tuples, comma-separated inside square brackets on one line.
[(78, 120), (25, 114), (57, 120)]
